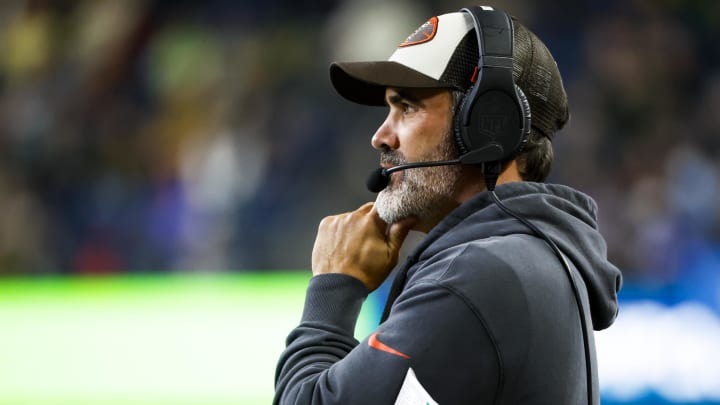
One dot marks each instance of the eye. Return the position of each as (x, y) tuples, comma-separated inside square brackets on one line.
[(407, 108)]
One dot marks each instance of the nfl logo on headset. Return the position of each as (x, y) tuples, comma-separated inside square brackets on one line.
[(492, 124)]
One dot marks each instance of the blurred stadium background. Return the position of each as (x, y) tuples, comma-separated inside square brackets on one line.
[(164, 165)]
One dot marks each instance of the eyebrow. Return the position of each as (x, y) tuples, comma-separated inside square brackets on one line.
[(401, 95)]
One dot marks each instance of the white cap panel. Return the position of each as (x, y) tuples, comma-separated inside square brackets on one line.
[(432, 57)]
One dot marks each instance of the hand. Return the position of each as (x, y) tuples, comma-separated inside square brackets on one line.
[(359, 244)]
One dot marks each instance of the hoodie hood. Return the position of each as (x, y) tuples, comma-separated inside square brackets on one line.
[(565, 215)]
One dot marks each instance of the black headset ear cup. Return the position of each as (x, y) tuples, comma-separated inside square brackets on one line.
[(526, 117), (525, 112)]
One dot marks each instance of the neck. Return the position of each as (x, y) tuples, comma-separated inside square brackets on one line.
[(470, 184)]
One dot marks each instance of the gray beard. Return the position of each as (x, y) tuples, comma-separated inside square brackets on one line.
[(421, 192)]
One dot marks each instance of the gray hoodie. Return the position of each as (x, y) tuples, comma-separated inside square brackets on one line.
[(482, 312)]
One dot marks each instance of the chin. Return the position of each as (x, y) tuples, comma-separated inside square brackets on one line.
[(392, 206), (388, 206)]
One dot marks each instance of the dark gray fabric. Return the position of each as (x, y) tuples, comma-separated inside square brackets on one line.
[(486, 313)]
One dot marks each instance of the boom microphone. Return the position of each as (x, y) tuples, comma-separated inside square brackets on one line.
[(380, 178)]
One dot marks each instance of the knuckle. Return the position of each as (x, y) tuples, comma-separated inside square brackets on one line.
[(326, 222)]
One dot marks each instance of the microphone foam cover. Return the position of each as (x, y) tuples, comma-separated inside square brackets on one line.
[(377, 180)]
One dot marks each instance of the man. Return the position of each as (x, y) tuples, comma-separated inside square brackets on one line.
[(483, 311)]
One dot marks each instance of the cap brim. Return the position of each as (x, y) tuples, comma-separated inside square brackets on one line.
[(365, 82)]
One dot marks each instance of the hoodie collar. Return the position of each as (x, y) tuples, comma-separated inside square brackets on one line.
[(565, 215)]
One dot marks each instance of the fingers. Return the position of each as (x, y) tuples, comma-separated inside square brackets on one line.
[(334, 220), (398, 231), (359, 244), (395, 233), (367, 207)]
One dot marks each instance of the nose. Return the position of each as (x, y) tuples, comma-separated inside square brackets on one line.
[(385, 137)]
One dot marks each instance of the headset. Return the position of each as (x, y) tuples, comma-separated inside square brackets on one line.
[(493, 121), (493, 124)]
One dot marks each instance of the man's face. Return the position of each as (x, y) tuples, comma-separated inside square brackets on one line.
[(418, 128)]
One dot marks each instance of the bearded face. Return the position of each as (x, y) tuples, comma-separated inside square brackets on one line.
[(418, 192)]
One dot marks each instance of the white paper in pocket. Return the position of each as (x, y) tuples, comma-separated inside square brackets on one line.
[(412, 392)]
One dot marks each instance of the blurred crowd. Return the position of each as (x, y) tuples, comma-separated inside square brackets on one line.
[(156, 136)]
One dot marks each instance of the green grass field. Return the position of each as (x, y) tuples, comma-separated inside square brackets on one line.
[(180, 339)]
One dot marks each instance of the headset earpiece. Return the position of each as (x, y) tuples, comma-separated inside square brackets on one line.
[(492, 122)]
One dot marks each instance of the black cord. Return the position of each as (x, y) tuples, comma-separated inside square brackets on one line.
[(568, 271)]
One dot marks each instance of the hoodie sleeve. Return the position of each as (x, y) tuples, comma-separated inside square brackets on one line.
[(430, 329)]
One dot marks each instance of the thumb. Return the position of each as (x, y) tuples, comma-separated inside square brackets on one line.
[(398, 231)]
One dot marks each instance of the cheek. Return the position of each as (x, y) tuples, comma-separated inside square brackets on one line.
[(421, 138), (416, 142)]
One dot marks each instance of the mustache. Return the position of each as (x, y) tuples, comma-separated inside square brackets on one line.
[(392, 158)]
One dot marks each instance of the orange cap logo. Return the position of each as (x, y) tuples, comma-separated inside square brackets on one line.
[(425, 33)]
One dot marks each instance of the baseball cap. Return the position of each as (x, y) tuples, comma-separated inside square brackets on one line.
[(443, 53)]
